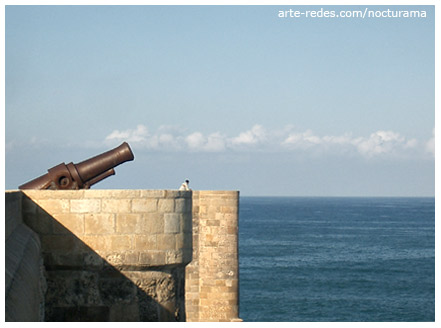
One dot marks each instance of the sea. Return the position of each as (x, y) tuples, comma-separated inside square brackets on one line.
[(320, 259)]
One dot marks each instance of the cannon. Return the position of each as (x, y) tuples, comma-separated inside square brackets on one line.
[(84, 174)]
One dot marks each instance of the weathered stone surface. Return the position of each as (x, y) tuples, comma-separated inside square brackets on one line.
[(119, 255), (144, 205), (24, 274), (98, 223), (172, 223), (115, 205), (93, 235), (81, 206), (212, 276), (129, 223), (166, 205), (68, 223)]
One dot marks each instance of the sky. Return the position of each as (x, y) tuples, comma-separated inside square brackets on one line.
[(229, 97)]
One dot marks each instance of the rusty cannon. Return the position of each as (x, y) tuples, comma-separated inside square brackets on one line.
[(84, 174)]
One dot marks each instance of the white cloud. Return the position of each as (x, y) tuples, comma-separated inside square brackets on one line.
[(137, 135), (257, 138), (430, 144), (380, 142), (384, 142), (212, 143), (302, 140), (195, 140), (215, 142), (254, 136), (169, 138)]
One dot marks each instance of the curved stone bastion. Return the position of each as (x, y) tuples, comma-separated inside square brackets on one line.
[(121, 255)]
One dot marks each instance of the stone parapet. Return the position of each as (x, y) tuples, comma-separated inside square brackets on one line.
[(128, 229), (113, 255)]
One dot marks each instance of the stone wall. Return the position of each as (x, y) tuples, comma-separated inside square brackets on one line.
[(212, 283), (113, 255), (120, 255)]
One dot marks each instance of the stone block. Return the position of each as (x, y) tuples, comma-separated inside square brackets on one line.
[(128, 223), (180, 241), (172, 223), (115, 205), (144, 205), (187, 223), (173, 257), (54, 205), (85, 205), (145, 242), (108, 243), (112, 194), (131, 257), (203, 209), (120, 242), (231, 219), (166, 242), (68, 223), (115, 258), (166, 205), (152, 193), (96, 243), (213, 223), (177, 194), (183, 205), (152, 223), (152, 258), (54, 194), (99, 223), (228, 209)]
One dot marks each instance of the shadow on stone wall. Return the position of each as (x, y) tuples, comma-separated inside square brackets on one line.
[(83, 286)]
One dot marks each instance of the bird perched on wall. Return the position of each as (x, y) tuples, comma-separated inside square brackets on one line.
[(184, 185)]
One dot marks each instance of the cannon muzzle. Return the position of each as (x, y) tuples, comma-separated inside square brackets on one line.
[(84, 174)]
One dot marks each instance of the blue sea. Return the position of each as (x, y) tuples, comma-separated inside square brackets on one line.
[(337, 259)]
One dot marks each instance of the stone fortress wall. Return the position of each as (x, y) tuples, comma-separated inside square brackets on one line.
[(121, 255), (212, 278)]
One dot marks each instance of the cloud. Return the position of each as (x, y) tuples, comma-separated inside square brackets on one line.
[(256, 135), (169, 138), (430, 144), (378, 143), (303, 140), (172, 138), (140, 134), (212, 143)]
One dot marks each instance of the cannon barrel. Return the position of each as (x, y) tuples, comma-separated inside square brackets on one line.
[(94, 166), (83, 174)]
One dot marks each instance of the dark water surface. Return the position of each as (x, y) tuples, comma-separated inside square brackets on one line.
[(337, 259)]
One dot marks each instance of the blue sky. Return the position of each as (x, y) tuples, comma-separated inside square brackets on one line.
[(230, 97)]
